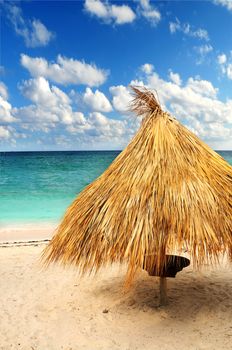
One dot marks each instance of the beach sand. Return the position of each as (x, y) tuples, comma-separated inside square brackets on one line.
[(46, 309)]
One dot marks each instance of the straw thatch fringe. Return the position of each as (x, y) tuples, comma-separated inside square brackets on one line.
[(144, 102), (166, 190)]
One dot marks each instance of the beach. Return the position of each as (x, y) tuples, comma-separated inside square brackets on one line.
[(55, 308), (116, 175)]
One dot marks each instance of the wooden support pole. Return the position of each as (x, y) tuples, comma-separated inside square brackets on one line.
[(163, 291)]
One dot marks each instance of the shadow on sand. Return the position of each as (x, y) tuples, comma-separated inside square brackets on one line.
[(189, 294)]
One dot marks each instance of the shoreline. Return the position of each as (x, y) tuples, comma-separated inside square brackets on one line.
[(28, 243), (26, 232)]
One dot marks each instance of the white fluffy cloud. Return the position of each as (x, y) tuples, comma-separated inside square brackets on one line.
[(39, 91), (51, 112), (122, 14), (33, 32), (229, 71), (203, 51), (98, 119), (225, 63), (121, 98), (202, 87), (5, 107), (222, 59), (117, 14), (98, 126), (196, 103), (6, 111), (8, 135), (96, 101), (51, 105), (3, 90), (226, 3), (40, 35), (149, 12), (65, 70), (147, 68), (97, 8), (175, 77), (4, 133), (187, 29)]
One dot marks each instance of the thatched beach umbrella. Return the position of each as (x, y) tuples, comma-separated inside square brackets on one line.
[(167, 190)]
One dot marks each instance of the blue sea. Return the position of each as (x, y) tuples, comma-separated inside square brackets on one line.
[(38, 186)]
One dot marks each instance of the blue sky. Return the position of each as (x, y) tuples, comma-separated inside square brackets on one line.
[(66, 67)]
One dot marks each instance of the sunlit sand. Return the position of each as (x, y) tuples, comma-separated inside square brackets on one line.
[(56, 309)]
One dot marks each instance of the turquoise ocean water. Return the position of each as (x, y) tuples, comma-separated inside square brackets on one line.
[(38, 186)]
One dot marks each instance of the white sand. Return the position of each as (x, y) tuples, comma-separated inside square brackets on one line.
[(55, 309)]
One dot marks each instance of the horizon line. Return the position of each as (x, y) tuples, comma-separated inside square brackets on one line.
[(88, 150)]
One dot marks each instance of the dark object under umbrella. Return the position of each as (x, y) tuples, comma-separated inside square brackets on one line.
[(173, 265)]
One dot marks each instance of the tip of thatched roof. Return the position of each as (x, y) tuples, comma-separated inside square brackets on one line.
[(144, 101)]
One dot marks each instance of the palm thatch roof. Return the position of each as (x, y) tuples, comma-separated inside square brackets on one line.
[(166, 190)]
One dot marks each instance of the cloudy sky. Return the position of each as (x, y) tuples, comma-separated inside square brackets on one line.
[(65, 68)]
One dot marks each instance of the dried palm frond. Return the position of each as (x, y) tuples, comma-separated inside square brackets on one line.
[(166, 190)]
